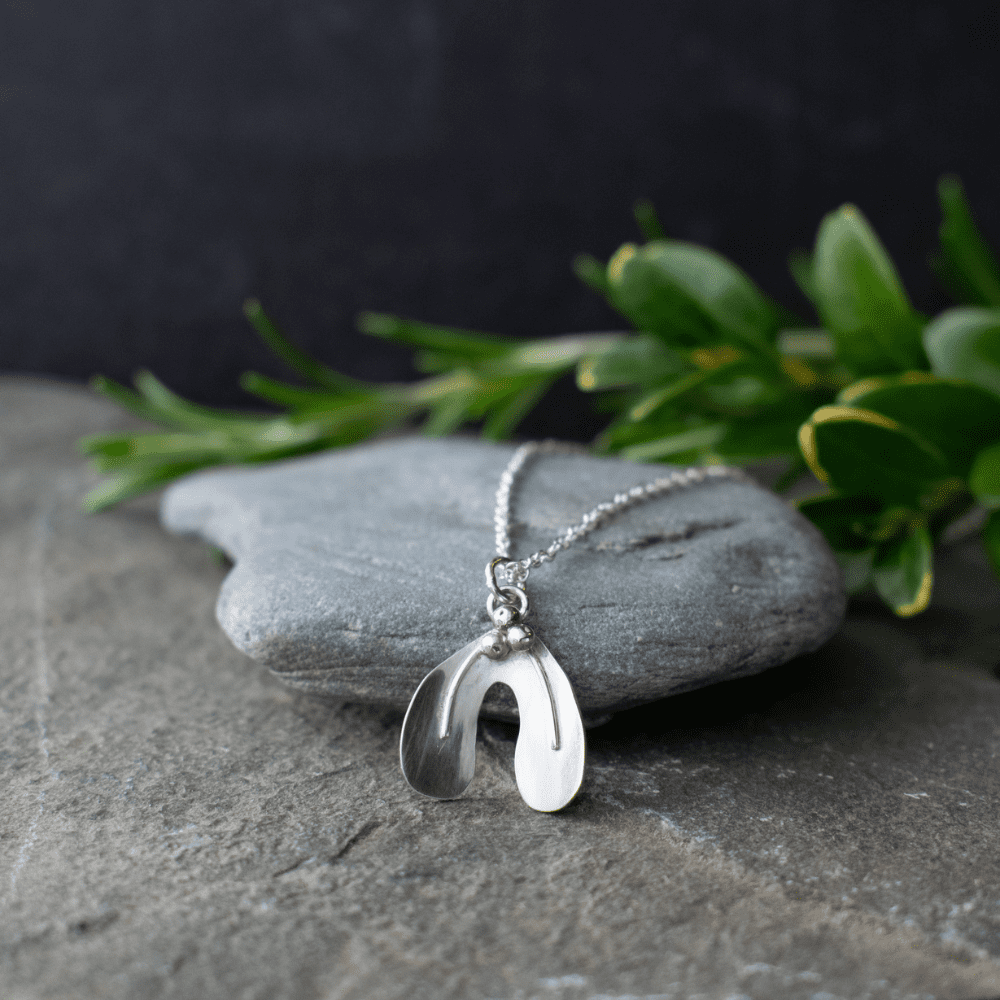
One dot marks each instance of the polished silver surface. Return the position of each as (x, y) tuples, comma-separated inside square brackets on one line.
[(550, 752)]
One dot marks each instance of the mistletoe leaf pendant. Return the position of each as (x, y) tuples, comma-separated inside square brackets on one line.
[(438, 744)]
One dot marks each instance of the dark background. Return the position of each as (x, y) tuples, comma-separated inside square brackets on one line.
[(445, 160)]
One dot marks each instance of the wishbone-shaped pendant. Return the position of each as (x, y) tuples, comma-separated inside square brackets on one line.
[(438, 745)]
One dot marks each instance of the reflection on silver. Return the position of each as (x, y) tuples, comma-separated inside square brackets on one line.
[(438, 745)]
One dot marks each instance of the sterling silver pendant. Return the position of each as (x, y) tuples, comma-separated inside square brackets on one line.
[(438, 745)]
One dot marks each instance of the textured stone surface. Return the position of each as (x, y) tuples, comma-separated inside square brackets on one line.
[(358, 571), (177, 824)]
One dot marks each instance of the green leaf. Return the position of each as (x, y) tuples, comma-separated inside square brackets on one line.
[(592, 273), (903, 572), (861, 300), (964, 343), (637, 360), (672, 391), (125, 398), (134, 482), (655, 302), (965, 263), (859, 451), (984, 479), (296, 359), (503, 421), (991, 539), (692, 296), (800, 265), (696, 439), (551, 356), (291, 396), (451, 346), (847, 522), (956, 417), (647, 219), (175, 411), (767, 434)]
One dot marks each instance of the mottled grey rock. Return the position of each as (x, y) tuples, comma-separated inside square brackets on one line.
[(176, 824), (358, 571)]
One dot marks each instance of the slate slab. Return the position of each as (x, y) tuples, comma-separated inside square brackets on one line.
[(178, 824), (358, 571)]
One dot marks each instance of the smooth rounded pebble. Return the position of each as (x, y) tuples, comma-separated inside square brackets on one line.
[(357, 571)]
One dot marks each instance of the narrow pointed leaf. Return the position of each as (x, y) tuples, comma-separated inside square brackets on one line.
[(466, 346), (291, 396), (965, 263), (126, 398), (647, 219), (696, 439), (503, 421), (592, 273), (179, 412), (296, 359), (134, 482)]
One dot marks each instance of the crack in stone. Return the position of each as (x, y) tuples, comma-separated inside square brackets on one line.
[(665, 537)]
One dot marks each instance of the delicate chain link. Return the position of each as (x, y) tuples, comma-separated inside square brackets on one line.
[(516, 571)]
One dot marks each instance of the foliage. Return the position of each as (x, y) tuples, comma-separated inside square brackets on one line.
[(897, 415)]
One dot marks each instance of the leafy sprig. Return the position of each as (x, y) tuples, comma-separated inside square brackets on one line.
[(897, 415)]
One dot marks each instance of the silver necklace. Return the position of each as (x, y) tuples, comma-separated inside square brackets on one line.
[(437, 748)]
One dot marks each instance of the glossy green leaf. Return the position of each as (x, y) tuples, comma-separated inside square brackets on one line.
[(956, 417), (903, 572), (966, 265), (984, 479), (859, 451), (860, 298), (849, 523), (691, 296), (964, 343), (655, 301), (637, 360)]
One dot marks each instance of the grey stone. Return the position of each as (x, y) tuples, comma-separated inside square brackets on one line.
[(177, 824), (358, 571)]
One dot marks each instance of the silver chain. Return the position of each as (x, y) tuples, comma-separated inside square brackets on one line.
[(516, 570)]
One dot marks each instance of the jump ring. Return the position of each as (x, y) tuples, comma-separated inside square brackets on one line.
[(519, 595)]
